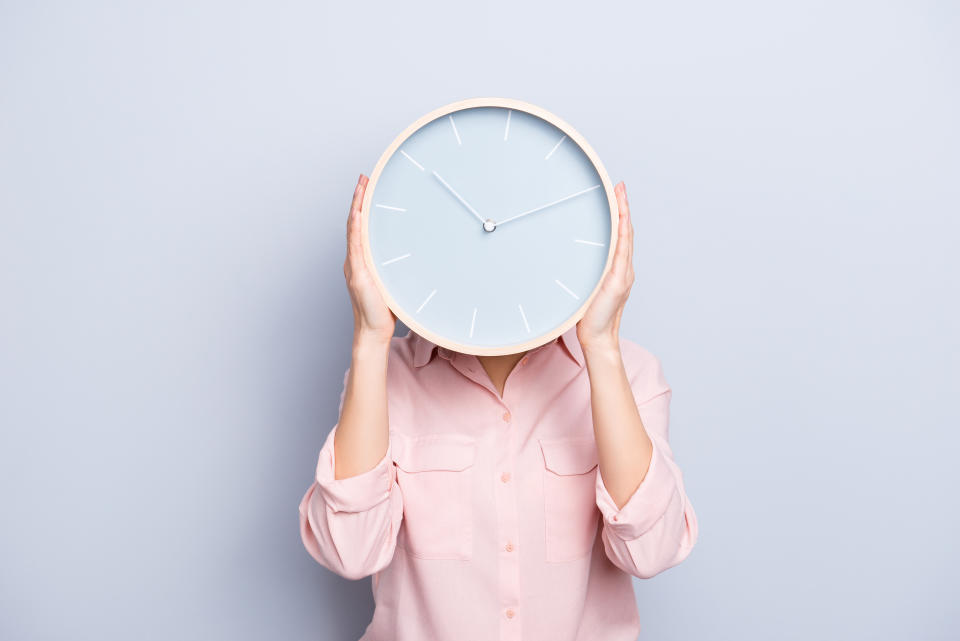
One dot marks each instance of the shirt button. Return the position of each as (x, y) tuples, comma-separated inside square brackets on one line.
[(616, 518), (506, 417), (510, 613), (508, 547), (505, 477)]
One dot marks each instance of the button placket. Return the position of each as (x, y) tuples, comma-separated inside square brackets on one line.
[(508, 535)]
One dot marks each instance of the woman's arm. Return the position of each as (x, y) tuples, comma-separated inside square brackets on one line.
[(624, 447), (350, 515), (649, 524), (362, 436)]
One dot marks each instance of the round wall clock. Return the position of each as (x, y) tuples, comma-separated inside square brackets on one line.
[(489, 225)]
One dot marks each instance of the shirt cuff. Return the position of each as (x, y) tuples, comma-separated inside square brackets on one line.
[(646, 505), (356, 493)]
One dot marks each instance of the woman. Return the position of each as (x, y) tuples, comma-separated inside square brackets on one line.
[(499, 497)]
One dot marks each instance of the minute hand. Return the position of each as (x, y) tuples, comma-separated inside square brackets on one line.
[(556, 202)]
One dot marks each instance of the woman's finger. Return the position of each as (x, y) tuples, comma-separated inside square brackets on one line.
[(351, 216), (626, 208), (354, 248), (621, 257), (358, 194)]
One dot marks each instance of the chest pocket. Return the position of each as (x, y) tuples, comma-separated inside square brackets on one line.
[(569, 496), (436, 477)]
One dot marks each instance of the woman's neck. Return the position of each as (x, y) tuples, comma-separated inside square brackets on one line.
[(498, 368)]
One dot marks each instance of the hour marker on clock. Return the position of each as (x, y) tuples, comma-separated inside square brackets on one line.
[(393, 260), (588, 242), (473, 321), (559, 142), (506, 131), (455, 132), (524, 317), (410, 158), (426, 300), (566, 289), (391, 208)]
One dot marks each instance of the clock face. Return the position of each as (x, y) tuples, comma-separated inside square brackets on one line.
[(489, 228)]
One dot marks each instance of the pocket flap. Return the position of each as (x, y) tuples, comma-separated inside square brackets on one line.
[(451, 452), (571, 455)]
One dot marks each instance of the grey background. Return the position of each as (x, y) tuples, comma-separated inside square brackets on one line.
[(174, 324)]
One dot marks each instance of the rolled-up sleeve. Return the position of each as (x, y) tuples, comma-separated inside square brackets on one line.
[(656, 528), (350, 525)]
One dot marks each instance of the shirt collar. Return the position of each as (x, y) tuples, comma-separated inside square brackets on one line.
[(423, 349)]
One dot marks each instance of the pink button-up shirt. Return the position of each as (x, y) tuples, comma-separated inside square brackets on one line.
[(487, 519)]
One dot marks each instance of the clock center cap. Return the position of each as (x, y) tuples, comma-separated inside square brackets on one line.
[(489, 225)]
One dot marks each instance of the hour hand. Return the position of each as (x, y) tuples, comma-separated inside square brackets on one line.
[(458, 196)]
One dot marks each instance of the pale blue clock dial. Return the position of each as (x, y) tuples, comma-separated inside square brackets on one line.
[(489, 227)]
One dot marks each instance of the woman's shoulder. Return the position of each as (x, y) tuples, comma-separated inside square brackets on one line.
[(636, 353), (409, 351), (641, 364)]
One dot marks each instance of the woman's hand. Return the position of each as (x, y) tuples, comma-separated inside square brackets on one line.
[(600, 326), (372, 319)]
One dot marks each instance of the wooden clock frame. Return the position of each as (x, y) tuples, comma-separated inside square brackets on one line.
[(505, 103)]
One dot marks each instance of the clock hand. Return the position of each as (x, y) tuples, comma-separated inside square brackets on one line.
[(459, 197), (556, 202)]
